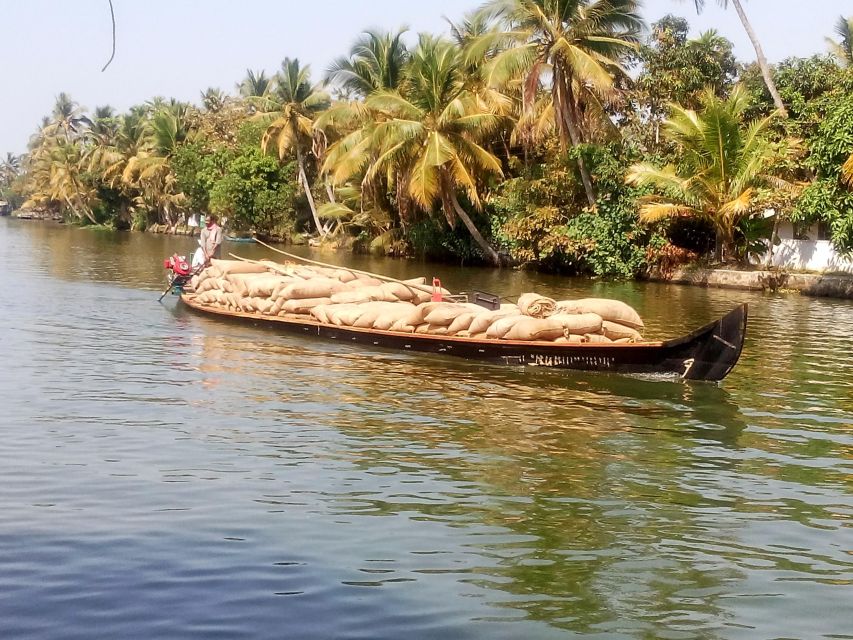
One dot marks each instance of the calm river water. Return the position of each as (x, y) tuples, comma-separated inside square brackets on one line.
[(166, 475)]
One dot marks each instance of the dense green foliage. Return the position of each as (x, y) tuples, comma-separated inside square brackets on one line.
[(557, 134), (828, 198)]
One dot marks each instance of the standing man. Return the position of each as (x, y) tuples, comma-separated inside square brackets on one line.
[(211, 239)]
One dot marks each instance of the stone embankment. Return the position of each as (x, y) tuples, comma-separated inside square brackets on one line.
[(808, 284)]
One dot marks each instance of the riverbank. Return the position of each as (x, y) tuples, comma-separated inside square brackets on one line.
[(808, 284)]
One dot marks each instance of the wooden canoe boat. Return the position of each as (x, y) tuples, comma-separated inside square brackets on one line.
[(708, 353), (239, 239)]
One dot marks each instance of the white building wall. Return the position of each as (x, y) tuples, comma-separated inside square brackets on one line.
[(807, 255)]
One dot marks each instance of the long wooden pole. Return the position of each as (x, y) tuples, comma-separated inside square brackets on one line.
[(378, 276)]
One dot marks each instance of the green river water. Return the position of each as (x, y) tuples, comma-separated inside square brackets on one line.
[(168, 475)]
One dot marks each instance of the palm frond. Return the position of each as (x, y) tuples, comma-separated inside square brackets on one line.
[(656, 211)]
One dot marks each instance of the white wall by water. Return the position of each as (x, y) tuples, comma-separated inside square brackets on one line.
[(806, 255)]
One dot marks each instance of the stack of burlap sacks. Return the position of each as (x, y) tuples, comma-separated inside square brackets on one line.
[(345, 298)]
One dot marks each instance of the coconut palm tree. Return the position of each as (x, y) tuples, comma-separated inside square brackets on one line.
[(56, 181), (842, 51), (67, 118), (759, 52), (291, 131), (375, 62), (572, 45), (9, 168), (724, 162), (255, 84), (213, 99), (149, 170), (430, 136)]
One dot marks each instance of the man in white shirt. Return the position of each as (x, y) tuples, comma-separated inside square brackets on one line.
[(211, 239)]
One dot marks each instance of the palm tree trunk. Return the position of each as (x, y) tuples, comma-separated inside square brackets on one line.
[(87, 213), (304, 180), (488, 249), (762, 61), (563, 111)]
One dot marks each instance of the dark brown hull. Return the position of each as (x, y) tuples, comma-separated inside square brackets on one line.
[(709, 353)]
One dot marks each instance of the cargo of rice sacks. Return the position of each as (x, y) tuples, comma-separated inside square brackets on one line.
[(616, 331), (372, 311), (578, 323), (263, 287), (445, 313), (321, 287), (237, 266), (500, 327), (595, 338), (344, 315), (483, 321), (461, 322), (390, 316), (399, 291), (536, 306), (612, 310), (535, 329), (303, 305)]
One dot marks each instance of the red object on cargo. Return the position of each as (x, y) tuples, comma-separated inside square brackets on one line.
[(436, 290)]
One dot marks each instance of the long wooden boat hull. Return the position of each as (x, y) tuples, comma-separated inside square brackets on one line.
[(708, 353)]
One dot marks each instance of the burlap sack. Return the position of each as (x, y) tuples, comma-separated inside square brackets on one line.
[(237, 266), (314, 288), (231, 300), (393, 313), (329, 311), (306, 272), (264, 305), (344, 276), (443, 314), (595, 338), (363, 294), (319, 313), (204, 285), (422, 328), (368, 281), (418, 313), (534, 329), (436, 330), (483, 321), (580, 323), (616, 331), (500, 327), (612, 310), (536, 306), (303, 305), (461, 322), (212, 272), (400, 326), (237, 281), (345, 317), (399, 291), (264, 287), (371, 311)]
